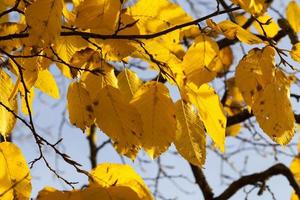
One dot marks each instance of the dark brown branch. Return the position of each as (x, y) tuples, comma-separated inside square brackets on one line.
[(202, 182), (122, 37), (278, 169), (238, 118), (148, 36), (93, 148), (225, 6), (245, 114)]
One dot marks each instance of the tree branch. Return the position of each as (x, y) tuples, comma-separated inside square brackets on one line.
[(278, 169), (202, 182), (128, 37)]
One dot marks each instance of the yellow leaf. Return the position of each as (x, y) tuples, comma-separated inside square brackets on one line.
[(232, 31), (158, 115), (7, 119), (271, 101), (158, 53), (295, 168), (226, 57), (15, 179), (119, 120), (45, 26), (294, 196), (211, 112), (295, 53), (95, 193), (93, 14), (95, 82), (2, 9), (85, 59), (129, 83), (254, 71), (49, 193), (198, 60), (234, 96), (110, 193), (233, 130), (191, 32), (65, 48), (293, 15), (107, 175), (47, 84), (255, 7), (268, 27), (81, 110), (190, 135), (163, 15)]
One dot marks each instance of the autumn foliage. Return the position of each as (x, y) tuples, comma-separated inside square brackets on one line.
[(93, 42)]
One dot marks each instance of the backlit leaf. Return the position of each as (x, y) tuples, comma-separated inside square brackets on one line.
[(295, 168), (190, 135), (274, 99), (107, 175), (95, 193), (293, 15), (198, 60), (15, 179), (295, 52), (232, 31), (10, 28), (45, 26), (7, 119), (255, 7), (158, 115), (254, 71), (129, 83), (81, 110), (65, 48), (96, 81), (211, 112), (119, 120), (93, 14), (268, 26), (47, 84)]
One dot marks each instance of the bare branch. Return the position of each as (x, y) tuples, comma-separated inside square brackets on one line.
[(278, 169)]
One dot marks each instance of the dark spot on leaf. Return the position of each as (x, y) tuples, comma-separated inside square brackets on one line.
[(258, 87), (89, 108), (133, 132)]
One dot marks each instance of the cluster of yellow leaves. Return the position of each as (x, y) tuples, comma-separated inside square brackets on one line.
[(132, 113), (107, 182), (265, 89)]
